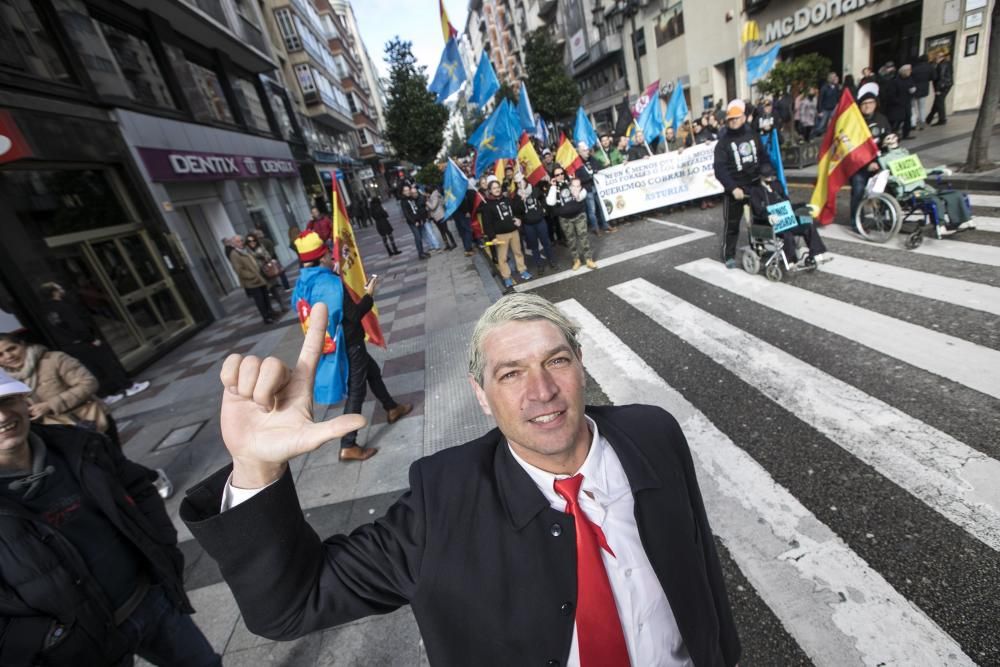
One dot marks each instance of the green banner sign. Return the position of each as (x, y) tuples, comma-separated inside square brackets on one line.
[(908, 169)]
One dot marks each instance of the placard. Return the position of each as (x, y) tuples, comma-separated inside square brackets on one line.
[(973, 20), (908, 169), (661, 180), (782, 217)]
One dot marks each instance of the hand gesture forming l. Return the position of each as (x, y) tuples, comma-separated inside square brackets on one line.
[(267, 410)]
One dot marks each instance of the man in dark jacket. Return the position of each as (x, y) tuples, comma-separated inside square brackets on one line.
[(829, 96), (595, 212), (529, 207), (568, 200), (738, 157), (498, 544), (363, 372), (905, 88), (89, 565), (923, 74), (416, 217), (942, 84)]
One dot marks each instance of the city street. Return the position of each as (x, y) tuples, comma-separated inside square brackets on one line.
[(844, 424)]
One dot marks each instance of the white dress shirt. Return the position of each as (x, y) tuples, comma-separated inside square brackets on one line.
[(648, 622)]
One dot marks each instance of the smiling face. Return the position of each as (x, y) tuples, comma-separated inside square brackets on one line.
[(15, 424), (11, 355), (533, 385), (495, 189)]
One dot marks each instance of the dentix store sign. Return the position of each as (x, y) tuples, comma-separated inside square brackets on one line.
[(813, 15)]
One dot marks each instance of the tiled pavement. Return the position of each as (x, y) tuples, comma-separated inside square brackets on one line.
[(427, 310)]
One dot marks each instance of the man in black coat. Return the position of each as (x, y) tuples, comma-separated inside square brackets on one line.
[(90, 572), (943, 80), (739, 155), (923, 74), (495, 571)]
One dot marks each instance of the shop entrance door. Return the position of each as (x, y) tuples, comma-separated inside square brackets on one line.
[(119, 277), (210, 253)]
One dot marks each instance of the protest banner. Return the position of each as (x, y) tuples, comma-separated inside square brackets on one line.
[(661, 180)]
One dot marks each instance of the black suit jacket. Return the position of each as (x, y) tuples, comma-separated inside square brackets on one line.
[(487, 565)]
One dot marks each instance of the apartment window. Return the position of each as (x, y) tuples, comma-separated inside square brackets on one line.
[(250, 104), (207, 90), (120, 63), (286, 25), (306, 82), (351, 103), (281, 115), (639, 42), (26, 43), (363, 136)]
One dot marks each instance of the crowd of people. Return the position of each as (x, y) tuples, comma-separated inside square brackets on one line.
[(904, 97)]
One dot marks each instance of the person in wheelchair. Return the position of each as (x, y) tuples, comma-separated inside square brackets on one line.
[(766, 193), (882, 133)]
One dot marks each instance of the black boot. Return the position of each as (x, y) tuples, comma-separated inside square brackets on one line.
[(395, 250), (385, 242)]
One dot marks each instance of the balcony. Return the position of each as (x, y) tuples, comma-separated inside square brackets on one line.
[(208, 22), (326, 109), (613, 90), (253, 35), (598, 54)]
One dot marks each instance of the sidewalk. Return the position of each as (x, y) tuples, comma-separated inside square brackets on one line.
[(941, 145), (427, 310)]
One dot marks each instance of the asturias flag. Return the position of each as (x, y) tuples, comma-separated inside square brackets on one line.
[(455, 185), (531, 165), (677, 108), (759, 66), (847, 147), (450, 74), (583, 130), (495, 139), (567, 156), (484, 83), (773, 148), (524, 110), (352, 271), (650, 121)]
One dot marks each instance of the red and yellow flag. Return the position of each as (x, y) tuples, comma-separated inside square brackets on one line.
[(447, 29), (527, 157), (567, 156), (847, 147), (352, 271)]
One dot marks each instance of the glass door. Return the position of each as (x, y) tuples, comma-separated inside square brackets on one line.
[(142, 286)]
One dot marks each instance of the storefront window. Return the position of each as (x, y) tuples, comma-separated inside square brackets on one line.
[(63, 202), (250, 105), (120, 63), (281, 113), (27, 45)]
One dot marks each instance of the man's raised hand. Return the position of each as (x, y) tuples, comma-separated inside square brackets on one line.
[(266, 415)]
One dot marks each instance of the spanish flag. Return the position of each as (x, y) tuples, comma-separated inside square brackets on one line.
[(352, 271), (447, 29), (567, 156), (527, 157), (847, 147)]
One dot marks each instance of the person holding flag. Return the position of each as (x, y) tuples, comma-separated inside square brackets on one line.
[(882, 134), (456, 203), (847, 148), (739, 155), (568, 201)]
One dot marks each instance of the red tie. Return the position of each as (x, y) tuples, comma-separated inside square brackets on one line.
[(598, 627)]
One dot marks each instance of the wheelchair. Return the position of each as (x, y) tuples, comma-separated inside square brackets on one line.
[(900, 198), (765, 248)]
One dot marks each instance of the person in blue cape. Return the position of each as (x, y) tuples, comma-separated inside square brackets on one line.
[(318, 282)]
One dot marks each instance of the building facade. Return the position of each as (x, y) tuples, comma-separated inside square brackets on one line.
[(139, 134), (853, 34)]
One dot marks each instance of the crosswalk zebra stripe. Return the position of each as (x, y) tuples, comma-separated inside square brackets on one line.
[(950, 357), (992, 201), (963, 293), (952, 478), (944, 248), (838, 609), (986, 224), (693, 235)]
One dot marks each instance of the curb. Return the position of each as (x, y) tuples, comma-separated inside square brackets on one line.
[(957, 181)]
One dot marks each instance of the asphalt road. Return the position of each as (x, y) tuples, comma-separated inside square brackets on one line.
[(845, 426)]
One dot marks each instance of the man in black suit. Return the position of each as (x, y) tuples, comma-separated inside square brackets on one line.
[(569, 535)]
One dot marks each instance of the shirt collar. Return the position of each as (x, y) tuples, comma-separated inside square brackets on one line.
[(593, 470)]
